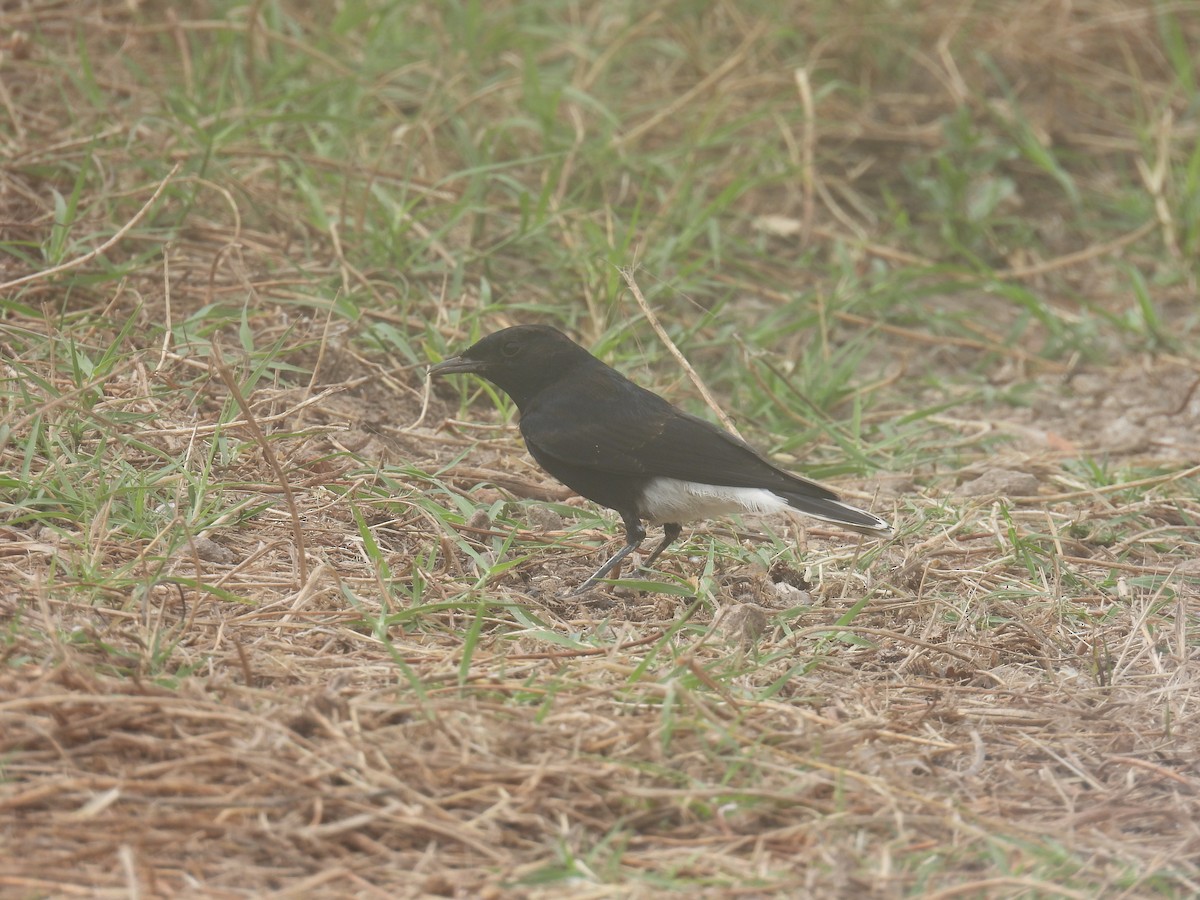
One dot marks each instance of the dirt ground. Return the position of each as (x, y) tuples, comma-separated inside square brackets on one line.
[(361, 676), (287, 748)]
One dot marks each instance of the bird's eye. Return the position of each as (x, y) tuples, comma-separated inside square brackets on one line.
[(511, 349)]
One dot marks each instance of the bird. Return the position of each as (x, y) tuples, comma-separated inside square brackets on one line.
[(630, 450)]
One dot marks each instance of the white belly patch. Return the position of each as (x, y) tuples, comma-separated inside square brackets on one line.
[(674, 500)]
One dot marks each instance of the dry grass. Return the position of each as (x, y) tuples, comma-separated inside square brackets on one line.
[(263, 647)]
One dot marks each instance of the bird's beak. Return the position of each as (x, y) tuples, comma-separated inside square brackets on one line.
[(454, 365)]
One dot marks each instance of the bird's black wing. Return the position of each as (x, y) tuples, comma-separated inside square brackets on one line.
[(626, 430)]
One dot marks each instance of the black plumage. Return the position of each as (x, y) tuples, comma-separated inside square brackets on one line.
[(630, 450)]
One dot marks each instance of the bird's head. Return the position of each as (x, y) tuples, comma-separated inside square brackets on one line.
[(521, 360)]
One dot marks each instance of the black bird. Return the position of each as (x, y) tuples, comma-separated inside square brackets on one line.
[(629, 449)]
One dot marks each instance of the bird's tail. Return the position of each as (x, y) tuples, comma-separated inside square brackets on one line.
[(837, 512)]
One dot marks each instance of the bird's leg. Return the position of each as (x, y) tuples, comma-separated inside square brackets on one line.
[(670, 533), (634, 535)]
